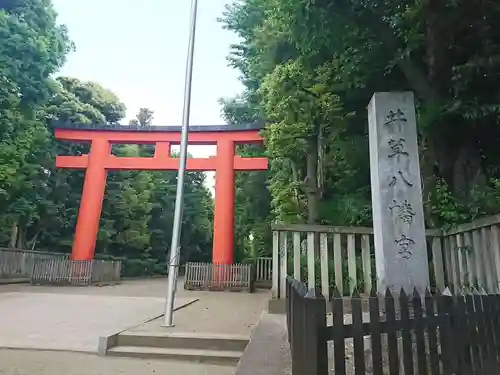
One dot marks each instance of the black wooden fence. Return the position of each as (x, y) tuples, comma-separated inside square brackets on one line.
[(410, 335)]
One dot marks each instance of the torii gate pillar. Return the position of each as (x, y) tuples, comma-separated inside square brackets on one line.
[(89, 214), (223, 245), (99, 161)]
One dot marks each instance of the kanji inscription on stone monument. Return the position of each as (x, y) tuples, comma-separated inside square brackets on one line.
[(395, 119), (399, 176), (397, 148), (402, 211), (398, 220)]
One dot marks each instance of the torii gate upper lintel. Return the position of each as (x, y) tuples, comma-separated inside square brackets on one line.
[(100, 160)]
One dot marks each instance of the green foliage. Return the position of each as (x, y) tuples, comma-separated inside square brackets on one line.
[(84, 102), (310, 68), (448, 210), (346, 287), (39, 203), (29, 34)]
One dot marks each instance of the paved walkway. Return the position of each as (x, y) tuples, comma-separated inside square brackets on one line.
[(129, 288), (224, 312), (72, 318), (22, 362), (215, 312), (70, 322), (268, 352)]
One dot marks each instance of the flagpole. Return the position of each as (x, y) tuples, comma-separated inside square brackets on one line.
[(173, 265)]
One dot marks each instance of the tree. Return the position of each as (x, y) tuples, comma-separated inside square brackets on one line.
[(32, 47), (39, 203), (307, 134), (88, 101), (29, 33), (143, 118), (444, 51), (56, 211)]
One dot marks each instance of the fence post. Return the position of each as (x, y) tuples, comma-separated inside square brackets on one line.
[(297, 326), (289, 310), (316, 358), (275, 274), (445, 332), (299, 342)]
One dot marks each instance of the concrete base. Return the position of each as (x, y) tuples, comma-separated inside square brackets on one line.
[(214, 357), (264, 285), (14, 281), (105, 343), (198, 347), (189, 340)]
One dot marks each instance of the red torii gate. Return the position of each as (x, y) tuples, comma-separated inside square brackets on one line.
[(100, 160)]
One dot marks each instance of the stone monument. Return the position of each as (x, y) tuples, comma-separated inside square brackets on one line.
[(398, 218)]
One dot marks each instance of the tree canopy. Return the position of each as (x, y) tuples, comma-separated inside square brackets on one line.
[(39, 203), (310, 67)]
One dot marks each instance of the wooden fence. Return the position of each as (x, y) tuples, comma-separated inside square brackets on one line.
[(75, 272), (472, 254), (208, 276), (264, 270), (18, 264), (412, 335), (323, 256)]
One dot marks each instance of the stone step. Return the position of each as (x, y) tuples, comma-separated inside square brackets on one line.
[(189, 340), (216, 357)]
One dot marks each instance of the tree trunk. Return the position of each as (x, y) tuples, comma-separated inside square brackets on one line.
[(34, 240), (468, 172), (21, 238), (312, 180), (459, 161), (312, 187), (13, 235), (295, 179), (321, 165), (427, 170), (435, 45)]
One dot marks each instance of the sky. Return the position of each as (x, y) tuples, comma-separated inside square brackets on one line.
[(137, 49)]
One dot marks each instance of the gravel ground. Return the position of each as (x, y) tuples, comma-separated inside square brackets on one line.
[(27, 362)]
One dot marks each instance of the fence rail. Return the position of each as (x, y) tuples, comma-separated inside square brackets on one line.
[(208, 276), (435, 335), (322, 256), (18, 264), (75, 272)]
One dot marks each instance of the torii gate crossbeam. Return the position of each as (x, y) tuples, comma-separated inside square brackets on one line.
[(99, 161)]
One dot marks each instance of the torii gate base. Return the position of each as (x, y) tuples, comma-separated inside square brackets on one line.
[(99, 161)]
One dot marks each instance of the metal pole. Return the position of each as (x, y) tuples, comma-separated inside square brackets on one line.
[(173, 266)]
